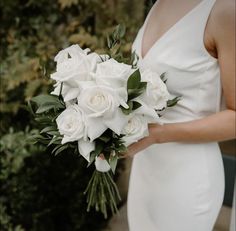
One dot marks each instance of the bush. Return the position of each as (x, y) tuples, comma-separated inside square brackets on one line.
[(40, 191)]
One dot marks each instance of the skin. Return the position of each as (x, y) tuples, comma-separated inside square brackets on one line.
[(219, 40)]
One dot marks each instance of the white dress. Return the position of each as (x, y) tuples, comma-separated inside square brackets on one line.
[(180, 186)]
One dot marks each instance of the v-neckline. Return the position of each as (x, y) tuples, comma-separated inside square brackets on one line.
[(166, 32)]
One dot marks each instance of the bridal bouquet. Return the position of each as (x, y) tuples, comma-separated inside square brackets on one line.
[(99, 106)]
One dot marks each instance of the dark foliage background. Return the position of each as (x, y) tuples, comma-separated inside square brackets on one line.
[(39, 191)]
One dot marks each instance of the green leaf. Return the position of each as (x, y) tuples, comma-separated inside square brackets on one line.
[(98, 150), (30, 108), (45, 108), (92, 158), (41, 99), (104, 138), (55, 140), (47, 102), (59, 149), (143, 85), (43, 119), (113, 162), (134, 60), (134, 80), (121, 148), (54, 133), (173, 102), (109, 42), (128, 110), (119, 32), (47, 129), (134, 93), (136, 105)]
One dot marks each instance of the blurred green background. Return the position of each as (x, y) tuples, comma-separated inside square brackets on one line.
[(37, 190)]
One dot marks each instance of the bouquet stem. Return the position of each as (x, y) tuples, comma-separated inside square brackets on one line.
[(102, 192)]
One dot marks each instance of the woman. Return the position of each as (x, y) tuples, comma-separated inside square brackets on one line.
[(177, 176)]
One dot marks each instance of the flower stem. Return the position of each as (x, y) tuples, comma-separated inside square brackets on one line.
[(102, 193)]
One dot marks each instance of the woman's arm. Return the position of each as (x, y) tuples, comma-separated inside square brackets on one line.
[(217, 127)]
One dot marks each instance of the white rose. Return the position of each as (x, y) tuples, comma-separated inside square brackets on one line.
[(101, 104), (156, 94), (113, 73), (101, 164), (69, 91), (99, 101), (135, 129), (72, 124), (75, 64)]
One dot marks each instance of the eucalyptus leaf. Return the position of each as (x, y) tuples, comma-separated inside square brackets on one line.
[(44, 108), (42, 99), (47, 129), (121, 30), (54, 133), (109, 42), (60, 149), (55, 140)]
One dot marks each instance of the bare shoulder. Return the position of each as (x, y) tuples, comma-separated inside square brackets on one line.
[(223, 19)]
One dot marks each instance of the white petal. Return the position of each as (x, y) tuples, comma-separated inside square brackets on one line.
[(67, 139), (149, 112), (56, 90), (95, 128), (71, 94), (102, 165), (123, 96), (117, 122), (85, 148)]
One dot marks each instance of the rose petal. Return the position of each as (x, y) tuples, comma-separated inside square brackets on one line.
[(149, 112), (71, 94), (117, 122), (56, 90), (67, 139), (96, 128), (85, 148)]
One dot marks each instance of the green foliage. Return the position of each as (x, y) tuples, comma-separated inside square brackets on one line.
[(14, 148), (39, 191), (33, 31), (135, 88), (48, 102), (173, 102)]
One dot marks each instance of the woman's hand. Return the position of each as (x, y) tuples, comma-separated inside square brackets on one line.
[(155, 136)]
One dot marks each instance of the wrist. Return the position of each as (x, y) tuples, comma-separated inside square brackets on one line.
[(164, 133)]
